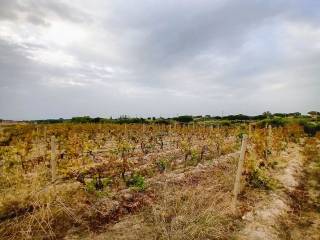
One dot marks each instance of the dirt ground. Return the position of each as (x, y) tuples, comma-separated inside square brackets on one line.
[(188, 206)]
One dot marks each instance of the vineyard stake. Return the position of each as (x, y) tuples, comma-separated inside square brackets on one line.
[(45, 134), (37, 150), (269, 137), (53, 158), (236, 189), (266, 141)]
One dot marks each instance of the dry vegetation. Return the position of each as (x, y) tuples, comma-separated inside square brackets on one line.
[(132, 181), (304, 220)]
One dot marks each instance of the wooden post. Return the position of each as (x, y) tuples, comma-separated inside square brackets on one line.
[(265, 141), (44, 150), (45, 134), (269, 138), (236, 189), (53, 162), (1, 131), (37, 142)]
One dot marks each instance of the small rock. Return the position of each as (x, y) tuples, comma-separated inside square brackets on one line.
[(248, 216), (127, 196), (200, 165)]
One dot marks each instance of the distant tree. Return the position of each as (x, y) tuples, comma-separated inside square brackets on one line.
[(236, 117), (259, 117), (294, 114), (162, 121), (314, 114), (184, 119), (123, 117), (49, 121), (129, 120), (84, 119), (267, 114), (97, 120), (279, 114)]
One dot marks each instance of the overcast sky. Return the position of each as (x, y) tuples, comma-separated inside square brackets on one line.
[(158, 57)]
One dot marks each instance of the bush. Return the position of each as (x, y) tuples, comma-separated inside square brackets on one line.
[(184, 119), (240, 117), (129, 120), (162, 121), (258, 179), (195, 157), (225, 123), (162, 165), (137, 182), (310, 128), (275, 122), (85, 119), (97, 184)]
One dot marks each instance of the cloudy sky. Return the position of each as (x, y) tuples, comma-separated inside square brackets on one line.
[(64, 58)]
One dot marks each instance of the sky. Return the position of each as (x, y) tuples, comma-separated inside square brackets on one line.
[(65, 58)]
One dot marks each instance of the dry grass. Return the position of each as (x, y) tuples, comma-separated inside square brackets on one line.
[(196, 208), (304, 220), (30, 208), (43, 215), (192, 213)]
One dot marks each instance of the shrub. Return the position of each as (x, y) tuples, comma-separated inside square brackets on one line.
[(274, 122), (225, 123), (162, 165), (311, 128), (97, 184), (85, 119), (184, 119), (195, 157), (162, 121), (137, 182), (258, 179)]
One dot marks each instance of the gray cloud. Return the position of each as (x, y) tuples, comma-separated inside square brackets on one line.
[(65, 58), (37, 12)]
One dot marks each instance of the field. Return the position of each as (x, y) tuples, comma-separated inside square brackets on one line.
[(157, 181)]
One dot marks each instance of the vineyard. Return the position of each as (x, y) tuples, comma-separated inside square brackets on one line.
[(147, 181)]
